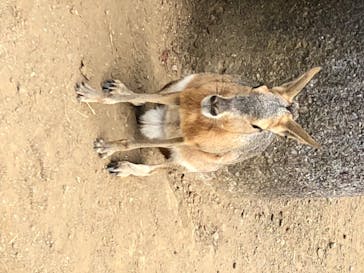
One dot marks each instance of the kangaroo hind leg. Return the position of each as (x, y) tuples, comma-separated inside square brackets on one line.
[(126, 168)]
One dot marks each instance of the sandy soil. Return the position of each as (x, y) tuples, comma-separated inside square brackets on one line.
[(60, 211)]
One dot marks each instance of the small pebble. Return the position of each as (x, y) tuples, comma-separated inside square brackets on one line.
[(332, 245), (74, 11), (174, 68), (320, 253)]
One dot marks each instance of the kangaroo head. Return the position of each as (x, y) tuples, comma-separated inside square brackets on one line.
[(263, 109)]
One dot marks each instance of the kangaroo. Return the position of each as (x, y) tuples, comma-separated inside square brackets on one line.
[(207, 121)]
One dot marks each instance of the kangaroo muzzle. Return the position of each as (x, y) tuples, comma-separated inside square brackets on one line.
[(213, 106), (258, 106)]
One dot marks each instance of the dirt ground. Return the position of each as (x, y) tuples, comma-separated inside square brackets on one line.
[(60, 211)]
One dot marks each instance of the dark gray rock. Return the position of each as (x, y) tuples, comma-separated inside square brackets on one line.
[(272, 42)]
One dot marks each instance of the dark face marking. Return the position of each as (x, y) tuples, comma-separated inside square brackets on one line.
[(259, 106), (255, 105)]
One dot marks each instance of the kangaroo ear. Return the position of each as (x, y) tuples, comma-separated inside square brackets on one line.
[(291, 89), (287, 127)]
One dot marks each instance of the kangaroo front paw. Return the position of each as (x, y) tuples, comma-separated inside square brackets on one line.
[(86, 93), (115, 87), (105, 149)]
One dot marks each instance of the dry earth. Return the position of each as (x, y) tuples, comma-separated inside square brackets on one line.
[(60, 211)]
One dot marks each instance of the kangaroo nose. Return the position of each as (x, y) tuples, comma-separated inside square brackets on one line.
[(213, 100), (214, 108), (219, 105)]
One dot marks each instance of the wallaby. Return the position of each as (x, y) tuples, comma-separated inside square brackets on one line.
[(207, 121)]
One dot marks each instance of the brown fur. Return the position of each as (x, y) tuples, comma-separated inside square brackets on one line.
[(201, 131)]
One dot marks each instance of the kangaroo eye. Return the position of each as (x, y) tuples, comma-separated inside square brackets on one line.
[(257, 127)]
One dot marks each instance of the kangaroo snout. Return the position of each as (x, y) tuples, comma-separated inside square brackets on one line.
[(214, 106)]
